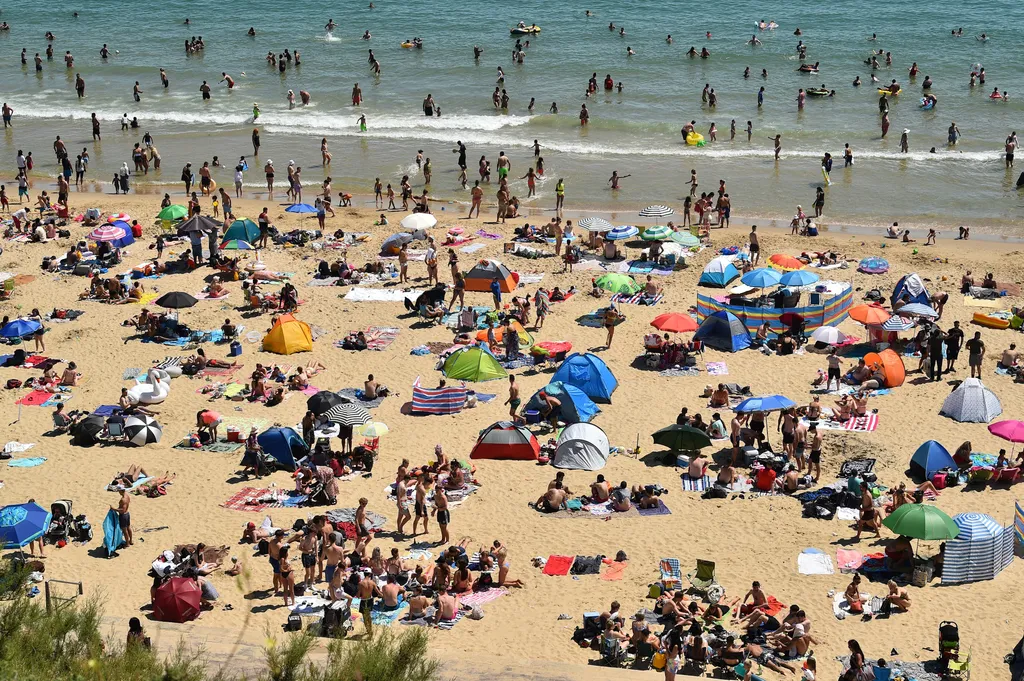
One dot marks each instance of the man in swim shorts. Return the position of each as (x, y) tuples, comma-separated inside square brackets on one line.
[(504, 165), (513, 400)]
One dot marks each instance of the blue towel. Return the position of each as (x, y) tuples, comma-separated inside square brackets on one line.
[(106, 410), (112, 535), (297, 500), (29, 462)]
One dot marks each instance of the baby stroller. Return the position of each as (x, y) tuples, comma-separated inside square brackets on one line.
[(61, 523), (258, 461), (318, 495)]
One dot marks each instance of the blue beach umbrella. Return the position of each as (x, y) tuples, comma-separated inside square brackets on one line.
[(128, 237), (621, 232), (763, 277), (22, 523), (919, 309), (300, 208), (798, 278), (767, 403), (20, 328)]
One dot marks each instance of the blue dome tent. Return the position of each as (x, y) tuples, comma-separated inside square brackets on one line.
[(576, 406), (285, 445), (719, 273), (590, 374), (929, 458), (724, 331), (912, 287)]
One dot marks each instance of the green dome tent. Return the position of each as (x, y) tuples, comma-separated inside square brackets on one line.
[(473, 364)]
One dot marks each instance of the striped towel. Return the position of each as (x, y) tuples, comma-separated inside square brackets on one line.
[(698, 485), (637, 299), (862, 424), (380, 337), (481, 597)]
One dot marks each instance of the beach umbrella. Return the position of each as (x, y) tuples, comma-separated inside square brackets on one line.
[(172, 212), (897, 323), (592, 224), (395, 242), (87, 431), (347, 414), (656, 212), (237, 245), (126, 240), (674, 322), (142, 430), (786, 263), (617, 283), (418, 221), (763, 277), (681, 438), (798, 278), (921, 521), (685, 239), (829, 335), (1011, 431), (791, 318), (874, 265), (766, 403), (177, 600), (657, 233), (300, 208), (107, 232), (22, 523), (918, 309), (198, 223), (324, 400), (869, 315), (372, 429), (621, 232), (175, 300), (20, 328)]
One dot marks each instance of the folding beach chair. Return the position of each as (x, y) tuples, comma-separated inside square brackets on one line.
[(612, 652), (1009, 475), (959, 669), (703, 581), (671, 573)]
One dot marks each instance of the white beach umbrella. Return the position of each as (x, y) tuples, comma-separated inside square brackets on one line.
[(418, 221), (828, 334)]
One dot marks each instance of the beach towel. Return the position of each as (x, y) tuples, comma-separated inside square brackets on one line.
[(637, 299), (614, 572), (27, 462), (42, 363), (379, 295), (356, 395), (671, 573), (640, 266), (15, 447), (380, 617), (36, 398), (105, 410), (530, 278), (221, 371), (586, 565), (118, 487), (695, 485), (849, 560), (348, 515), (971, 301), (205, 295), (814, 562), (841, 608), (593, 320), (113, 538), (145, 298), (130, 373), (847, 514), (518, 362), (856, 467), (717, 369), (221, 447), (558, 566), (772, 606), (680, 372), (660, 509), (380, 337), (487, 235), (472, 248), (476, 598), (329, 281), (862, 424)]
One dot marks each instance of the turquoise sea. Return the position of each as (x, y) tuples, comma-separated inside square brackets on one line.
[(635, 132)]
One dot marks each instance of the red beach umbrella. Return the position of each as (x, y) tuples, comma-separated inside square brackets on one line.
[(177, 600)]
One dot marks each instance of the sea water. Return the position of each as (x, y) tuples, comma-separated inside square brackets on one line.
[(635, 131)]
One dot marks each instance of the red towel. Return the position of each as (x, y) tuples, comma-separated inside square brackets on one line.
[(35, 398), (558, 565), (614, 572), (772, 607)]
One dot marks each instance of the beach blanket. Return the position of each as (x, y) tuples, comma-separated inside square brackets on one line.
[(472, 248), (841, 608), (717, 369), (221, 447), (327, 281), (530, 278), (814, 562), (558, 566), (36, 398), (849, 560), (614, 572), (106, 410), (636, 299), (586, 565), (856, 467), (660, 509), (27, 462), (356, 395), (381, 617), (696, 485), (476, 598), (223, 372), (519, 362), (255, 499), (145, 298), (680, 372), (671, 573), (380, 295), (380, 337), (130, 373), (847, 514), (971, 301), (205, 295), (487, 235), (69, 316), (42, 363)]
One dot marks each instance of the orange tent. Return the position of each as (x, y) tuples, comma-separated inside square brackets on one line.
[(786, 263), (892, 366), (499, 333), (869, 315), (484, 272)]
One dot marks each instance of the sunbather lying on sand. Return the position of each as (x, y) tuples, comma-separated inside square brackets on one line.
[(129, 477)]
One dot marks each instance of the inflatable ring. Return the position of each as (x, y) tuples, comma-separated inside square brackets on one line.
[(817, 92), (408, 45), (887, 92), (455, 231), (695, 139)]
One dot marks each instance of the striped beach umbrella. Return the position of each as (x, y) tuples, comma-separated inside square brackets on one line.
[(595, 224), (657, 233), (897, 323), (621, 232), (347, 414), (656, 212), (106, 233), (142, 430), (685, 239), (918, 309), (786, 263), (237, 245)]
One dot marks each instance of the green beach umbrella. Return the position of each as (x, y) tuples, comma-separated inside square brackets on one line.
[(657, 233), (617, 283), (919, 521), (173, 212), (237, 245), (685, 239), (242, 229), (681, 438)]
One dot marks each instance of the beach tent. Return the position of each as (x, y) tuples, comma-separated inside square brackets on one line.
[(982, 550), (507, 441), (285, 445), (525, 339), (723, 330), (474, 363), (575, 407), (590, 374), (719, 273), (911, 286), (581, 446), (971, 402), (484, 272), (242, 229), (929, 458), (892, 366), (288, 336)]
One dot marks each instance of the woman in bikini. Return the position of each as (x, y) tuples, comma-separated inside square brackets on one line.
[(287, 578), (462, 580), (500, 554)]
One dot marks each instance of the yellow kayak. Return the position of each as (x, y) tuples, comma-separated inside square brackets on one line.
[(695, 139), (528, 30)]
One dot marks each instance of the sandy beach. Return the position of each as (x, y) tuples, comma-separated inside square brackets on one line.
[(748, 538)]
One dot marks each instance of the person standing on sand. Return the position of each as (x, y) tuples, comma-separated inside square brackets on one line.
[(954, 341), (124, 517), (976, 352), (513, 400), (403, 264), (503, 198), (444, 516), (755, 246)]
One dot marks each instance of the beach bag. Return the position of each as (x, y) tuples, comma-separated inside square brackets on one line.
[(13, 383), (263, 548), (477, 613), (939, 480), (659, 661), (654, 591)]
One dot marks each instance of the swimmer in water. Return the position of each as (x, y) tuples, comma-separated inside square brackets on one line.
[(754, 41), (611, 26), (291, 99), (366, 35), (255, 111), (225, 78), (304, 97), (330, 26), (856, 82), (362, 123), (668, 39), (251, 32)]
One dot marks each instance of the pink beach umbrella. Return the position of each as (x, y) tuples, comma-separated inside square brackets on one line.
[(1012, 431), (107, 233)]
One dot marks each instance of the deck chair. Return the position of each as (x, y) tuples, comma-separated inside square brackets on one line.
[(980, 474), (612, 652), (372, 443), (881, 673), (61, 422), (644, 656), (959, 669), (703, 581), (1009, 475)]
